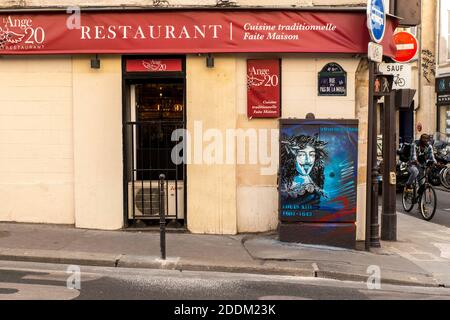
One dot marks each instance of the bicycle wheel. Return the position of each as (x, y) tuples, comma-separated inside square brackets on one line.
[(427, 203), (408, 199), (445, 178)]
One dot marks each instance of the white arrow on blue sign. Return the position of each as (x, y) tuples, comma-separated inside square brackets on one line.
[(376, 19)]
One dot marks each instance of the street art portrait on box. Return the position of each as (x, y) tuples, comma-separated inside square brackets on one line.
[(318, 170)]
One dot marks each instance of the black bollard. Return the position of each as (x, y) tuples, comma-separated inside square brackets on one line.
[(162, 215)]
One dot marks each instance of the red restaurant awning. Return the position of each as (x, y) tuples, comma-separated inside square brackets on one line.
[(195, 31)]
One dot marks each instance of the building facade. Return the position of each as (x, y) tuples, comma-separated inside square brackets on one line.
[(420, 117), (443, 69), (79, 127), (426, 107)]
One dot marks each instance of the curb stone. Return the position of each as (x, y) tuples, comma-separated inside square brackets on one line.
[(126, 261)]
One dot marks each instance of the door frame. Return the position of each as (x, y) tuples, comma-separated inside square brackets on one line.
[(404, 122), (129, 78)]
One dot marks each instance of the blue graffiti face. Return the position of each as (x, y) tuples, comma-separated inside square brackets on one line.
[(318, 172), (305, 160)]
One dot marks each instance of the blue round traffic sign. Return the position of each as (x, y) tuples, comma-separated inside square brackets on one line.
[(376, 19)]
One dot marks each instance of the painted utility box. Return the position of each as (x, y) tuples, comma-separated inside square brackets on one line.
[(318, 181)]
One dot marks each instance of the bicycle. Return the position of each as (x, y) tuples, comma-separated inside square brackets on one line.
[(425, 196)]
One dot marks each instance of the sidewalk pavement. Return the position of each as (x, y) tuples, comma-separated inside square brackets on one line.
[(425, 244), (421, 257)]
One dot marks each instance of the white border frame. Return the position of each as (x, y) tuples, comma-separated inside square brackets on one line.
[(444, 32)]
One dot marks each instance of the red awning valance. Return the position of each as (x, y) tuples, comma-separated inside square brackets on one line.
[(150, 32)]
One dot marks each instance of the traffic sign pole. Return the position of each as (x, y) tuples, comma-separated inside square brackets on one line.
[(389, 212), (372, 225), (376, 23)]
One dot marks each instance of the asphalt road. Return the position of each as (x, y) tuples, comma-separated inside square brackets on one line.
[(442, 216), (26, 280)]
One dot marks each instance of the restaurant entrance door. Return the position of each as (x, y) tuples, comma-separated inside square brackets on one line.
[(155, 109)]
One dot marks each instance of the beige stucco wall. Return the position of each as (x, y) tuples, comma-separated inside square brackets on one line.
[(75, 176), (230, 198), (211, 188), (362, 114), (97, 125), (61, 141), (36, 140), (257, 196)]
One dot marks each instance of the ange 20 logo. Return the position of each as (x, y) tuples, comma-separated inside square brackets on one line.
[(19, 31), (154, 65)]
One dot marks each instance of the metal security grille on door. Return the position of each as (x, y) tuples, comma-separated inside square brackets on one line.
[(156, 111)]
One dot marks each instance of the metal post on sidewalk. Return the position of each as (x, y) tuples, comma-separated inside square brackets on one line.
[(369, 154), (376, 24), (372, 225), (389, 214), (374, 220), (162, 215)]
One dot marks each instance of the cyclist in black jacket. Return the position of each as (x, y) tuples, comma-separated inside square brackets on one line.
[(421, 152)]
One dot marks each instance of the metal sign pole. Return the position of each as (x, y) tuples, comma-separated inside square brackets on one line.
[(372, 237), (376, 24), (389, 215)]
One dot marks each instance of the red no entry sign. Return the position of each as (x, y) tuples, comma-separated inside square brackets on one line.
[(407, 47)]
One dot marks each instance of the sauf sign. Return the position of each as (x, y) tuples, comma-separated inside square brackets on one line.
[(401, 73)]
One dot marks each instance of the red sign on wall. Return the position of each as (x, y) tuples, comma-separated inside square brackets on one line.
[(263, 88), (195, 31), (154, 65)]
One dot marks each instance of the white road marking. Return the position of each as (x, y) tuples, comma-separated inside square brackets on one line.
[(22, 291), (445, 249), (282, 298)]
